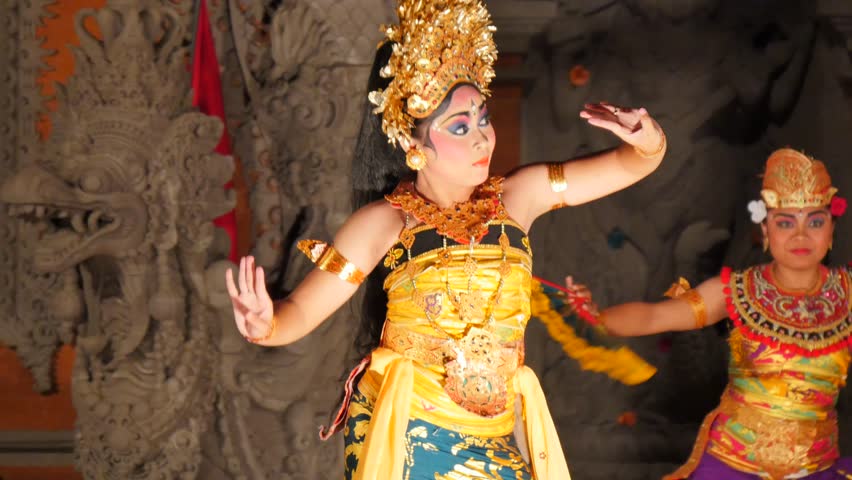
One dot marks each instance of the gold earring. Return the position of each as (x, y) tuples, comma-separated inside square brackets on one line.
[(415, 159), (765, 244)]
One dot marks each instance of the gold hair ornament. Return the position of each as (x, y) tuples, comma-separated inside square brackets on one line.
[(795, 180), (436, 45)]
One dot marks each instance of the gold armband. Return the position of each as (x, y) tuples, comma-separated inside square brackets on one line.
[(656, 152), (681, 290), (556, 175), (327, 258)]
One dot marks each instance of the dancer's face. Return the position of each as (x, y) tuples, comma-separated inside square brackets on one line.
[(459, 141), (799, 238)]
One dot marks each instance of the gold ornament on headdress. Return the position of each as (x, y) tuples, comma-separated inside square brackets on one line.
[(795, 180), (437, 45)]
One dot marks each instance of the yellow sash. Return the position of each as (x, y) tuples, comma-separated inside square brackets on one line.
[(401, 391)]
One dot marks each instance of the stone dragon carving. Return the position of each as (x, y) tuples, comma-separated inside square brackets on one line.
[(304, 65), (28, 324), (120, 201)]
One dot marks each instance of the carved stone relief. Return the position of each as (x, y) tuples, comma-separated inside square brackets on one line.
[(28, 325), (121, 212), (115, 210), (9, 80), (303, 69)]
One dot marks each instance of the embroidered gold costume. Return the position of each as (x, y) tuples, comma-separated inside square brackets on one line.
[(452, 349), (790, 353), (789, 358)]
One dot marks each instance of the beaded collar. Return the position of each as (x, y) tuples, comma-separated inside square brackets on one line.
[(462, 221), (810, 324)]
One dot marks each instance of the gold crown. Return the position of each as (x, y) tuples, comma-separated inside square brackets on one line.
[(795, 180), (437, 45)]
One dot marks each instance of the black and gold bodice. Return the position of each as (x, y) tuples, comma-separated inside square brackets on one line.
[(459, 306)]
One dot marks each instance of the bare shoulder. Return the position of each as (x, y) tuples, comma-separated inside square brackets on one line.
[(517, 188), (518, 180), (375, 226), (378, 214)]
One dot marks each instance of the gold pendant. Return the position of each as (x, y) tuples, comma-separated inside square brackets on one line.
[(469, 266), (406, 238), (471, 307), (444, 258), (474, 378)]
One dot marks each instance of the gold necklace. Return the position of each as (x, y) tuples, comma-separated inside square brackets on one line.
[(468, 304), (460, 221)]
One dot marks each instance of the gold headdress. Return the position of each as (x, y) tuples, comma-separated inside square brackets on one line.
[(437, 45), (795, 180)]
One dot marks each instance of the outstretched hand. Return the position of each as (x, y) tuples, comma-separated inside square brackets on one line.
[(632, 125), (253, 307), (580, 297)]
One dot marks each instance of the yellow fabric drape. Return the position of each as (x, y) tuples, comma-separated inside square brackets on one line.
[(391, 378), (383, 455), (546, 455)]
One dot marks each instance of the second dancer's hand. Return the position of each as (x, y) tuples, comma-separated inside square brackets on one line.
[(580, 297), (253, 307), (632, 125)]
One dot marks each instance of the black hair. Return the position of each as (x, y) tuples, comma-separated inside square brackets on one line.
[(377, 168)]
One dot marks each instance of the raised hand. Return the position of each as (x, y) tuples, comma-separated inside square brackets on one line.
[(632, 125), (253, 308)]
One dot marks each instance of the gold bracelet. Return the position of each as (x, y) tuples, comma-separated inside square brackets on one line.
[(268, 335), (327, 258), (556, 175), (655, 153)]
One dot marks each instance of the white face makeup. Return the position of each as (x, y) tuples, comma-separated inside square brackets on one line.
[(460, 141)]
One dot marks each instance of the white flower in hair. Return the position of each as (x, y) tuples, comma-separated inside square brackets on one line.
[(758, 210)]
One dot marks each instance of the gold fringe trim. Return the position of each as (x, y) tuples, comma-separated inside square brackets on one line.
[(698, 449), (621, 364)]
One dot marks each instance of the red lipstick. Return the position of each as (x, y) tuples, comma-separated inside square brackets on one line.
[(801, 251)]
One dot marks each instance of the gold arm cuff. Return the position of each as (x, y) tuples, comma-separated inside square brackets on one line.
[(678, 288), (556, 175), (655, 153), (683, 291), (699, 310), (327, 258)]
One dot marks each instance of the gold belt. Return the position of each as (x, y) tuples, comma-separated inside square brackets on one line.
[(782, 445), (478, 366)]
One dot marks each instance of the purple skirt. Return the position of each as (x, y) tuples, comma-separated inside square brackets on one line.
[(711, 468)]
